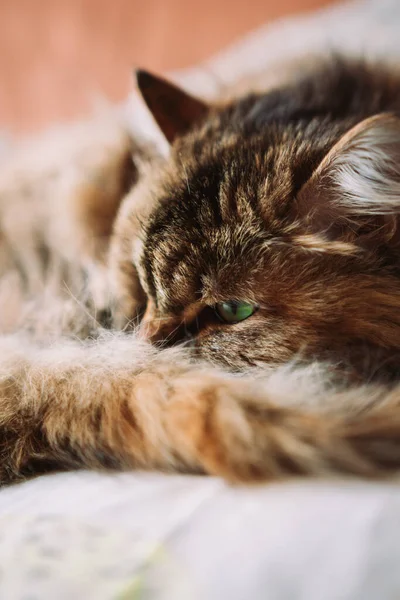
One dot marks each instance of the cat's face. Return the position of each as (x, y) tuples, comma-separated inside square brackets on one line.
[(249, 251)]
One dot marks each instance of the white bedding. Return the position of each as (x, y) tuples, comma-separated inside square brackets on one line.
[(90, 536), (152, 536)]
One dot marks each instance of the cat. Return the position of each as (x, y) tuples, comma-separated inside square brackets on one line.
[(236, 303)]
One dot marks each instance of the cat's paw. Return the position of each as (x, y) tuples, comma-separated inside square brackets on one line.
[(230, 427)]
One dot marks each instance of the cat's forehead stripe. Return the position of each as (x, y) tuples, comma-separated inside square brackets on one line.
[(243, 167)]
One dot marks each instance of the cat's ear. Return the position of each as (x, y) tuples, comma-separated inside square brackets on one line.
[(174, 110), (360, 175)]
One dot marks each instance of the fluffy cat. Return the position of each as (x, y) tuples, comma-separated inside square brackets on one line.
[(260, 259)]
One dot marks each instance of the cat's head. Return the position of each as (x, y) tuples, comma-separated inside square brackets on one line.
[(272, 232)]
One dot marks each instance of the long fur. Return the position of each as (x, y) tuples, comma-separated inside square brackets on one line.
[(80, 258), (118, 403)]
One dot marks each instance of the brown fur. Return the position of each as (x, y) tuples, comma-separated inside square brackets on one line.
[(286, 198)]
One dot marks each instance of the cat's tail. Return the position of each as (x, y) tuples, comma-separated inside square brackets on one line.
[(117, 403), (354, 432), (365, 444)]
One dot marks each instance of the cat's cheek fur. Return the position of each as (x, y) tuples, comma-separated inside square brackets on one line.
[(259, 341)]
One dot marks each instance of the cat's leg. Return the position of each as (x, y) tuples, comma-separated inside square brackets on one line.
[(59, 196), (120, 404), (63, 189)]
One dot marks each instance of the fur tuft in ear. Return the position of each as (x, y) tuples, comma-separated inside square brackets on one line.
[(174, 110), (360, 176)]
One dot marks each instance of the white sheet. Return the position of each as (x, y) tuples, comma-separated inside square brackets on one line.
[(92, 536)]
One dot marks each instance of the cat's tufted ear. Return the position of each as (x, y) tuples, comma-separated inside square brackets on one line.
[(360, 175), (174, 110)]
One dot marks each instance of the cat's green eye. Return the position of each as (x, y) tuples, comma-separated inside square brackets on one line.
[(234, 311)]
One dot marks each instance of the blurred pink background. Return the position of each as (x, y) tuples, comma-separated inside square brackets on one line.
[(57, 55)]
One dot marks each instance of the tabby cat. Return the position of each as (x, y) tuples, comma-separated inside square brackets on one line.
[(232, 308)]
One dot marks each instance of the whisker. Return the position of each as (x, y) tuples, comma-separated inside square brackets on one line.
[(79, 303)]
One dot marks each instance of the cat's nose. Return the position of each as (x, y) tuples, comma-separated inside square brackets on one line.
[(153, 327), (146, 331), (162, 329), (167, 332)]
